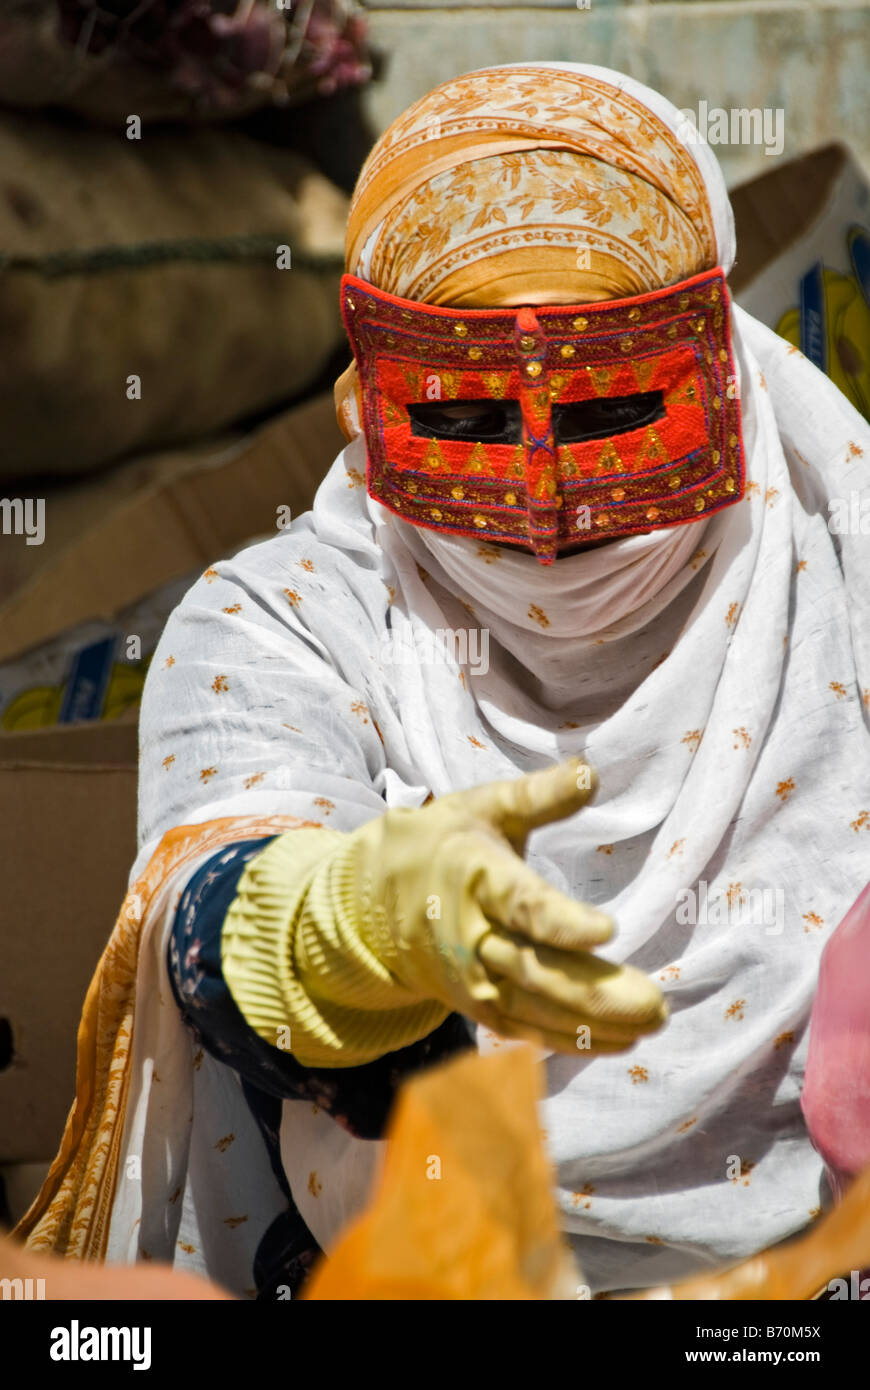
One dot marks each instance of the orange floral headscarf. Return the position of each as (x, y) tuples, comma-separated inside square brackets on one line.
[(525, 184)]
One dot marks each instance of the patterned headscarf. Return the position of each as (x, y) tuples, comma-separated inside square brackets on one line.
[(526, 184)]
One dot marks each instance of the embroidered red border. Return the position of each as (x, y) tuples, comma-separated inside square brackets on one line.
[(538, 495)]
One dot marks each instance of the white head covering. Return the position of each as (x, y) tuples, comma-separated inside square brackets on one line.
[(612, 590)]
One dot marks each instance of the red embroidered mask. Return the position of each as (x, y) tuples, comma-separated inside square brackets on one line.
[(545, 427)]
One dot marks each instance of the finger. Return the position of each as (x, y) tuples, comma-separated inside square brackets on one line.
[(523, 804), (595, 990), (512, 894), (520, 1006), (463, 964)]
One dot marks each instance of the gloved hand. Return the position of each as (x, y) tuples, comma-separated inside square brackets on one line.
[(357, 944), (450, 907)]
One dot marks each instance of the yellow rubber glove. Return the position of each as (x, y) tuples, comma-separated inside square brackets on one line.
[(421, 912)]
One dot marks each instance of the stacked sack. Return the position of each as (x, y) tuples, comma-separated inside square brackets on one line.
[(160, 281)]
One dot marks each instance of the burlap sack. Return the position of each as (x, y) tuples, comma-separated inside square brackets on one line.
[(158, 259)]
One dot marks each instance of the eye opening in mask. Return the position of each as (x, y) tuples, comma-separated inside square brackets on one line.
[(575, 421), (500, 422), (485, 421)]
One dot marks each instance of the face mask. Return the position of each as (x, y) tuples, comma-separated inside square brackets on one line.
[(544, 428)]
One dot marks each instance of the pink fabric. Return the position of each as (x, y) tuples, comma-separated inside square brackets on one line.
[(836, 1092)]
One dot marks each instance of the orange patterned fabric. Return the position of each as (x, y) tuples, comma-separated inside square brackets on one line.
[(526, 185)]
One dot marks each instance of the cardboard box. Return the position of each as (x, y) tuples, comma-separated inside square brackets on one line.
[(164, 531), (73, 506), (67, 841), (803, 262), (68, 793)]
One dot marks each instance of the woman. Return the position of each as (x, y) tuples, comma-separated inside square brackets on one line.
[(622, 513)]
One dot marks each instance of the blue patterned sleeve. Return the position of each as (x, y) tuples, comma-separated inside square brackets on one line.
[(359, 1098)]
